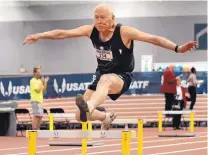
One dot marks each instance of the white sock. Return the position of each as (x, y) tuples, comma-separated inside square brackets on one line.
[(90, 106), (107, 118)]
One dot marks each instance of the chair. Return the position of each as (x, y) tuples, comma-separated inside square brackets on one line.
[(168, 117), (177, 106), (56, 110), (45, 119), (23, 124), (60, 121)]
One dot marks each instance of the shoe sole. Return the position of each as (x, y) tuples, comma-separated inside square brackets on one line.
[(83, 108)]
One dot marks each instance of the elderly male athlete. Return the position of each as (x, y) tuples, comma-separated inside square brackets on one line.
[(114, 51)]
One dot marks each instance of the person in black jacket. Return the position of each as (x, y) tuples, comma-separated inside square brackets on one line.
[(192, 87)]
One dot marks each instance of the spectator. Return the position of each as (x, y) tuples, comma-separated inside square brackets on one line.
[(37, 88), (179, 104), (192, 87), (168, 87)]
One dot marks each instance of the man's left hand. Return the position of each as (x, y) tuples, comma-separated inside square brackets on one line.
[(189, 46)]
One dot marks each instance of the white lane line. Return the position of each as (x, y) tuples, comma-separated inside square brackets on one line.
[(150, 147), (110, 145), (188, 150), (17, 148)]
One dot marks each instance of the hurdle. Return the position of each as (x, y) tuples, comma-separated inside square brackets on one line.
[(69, 115), (191, 128), (125, 136), (89, 128)]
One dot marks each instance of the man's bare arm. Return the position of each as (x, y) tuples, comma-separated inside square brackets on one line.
[(134, 34), (60, 34)]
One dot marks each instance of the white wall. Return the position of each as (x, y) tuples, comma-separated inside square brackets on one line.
[(31, 11), (176, 22), (67, 53)]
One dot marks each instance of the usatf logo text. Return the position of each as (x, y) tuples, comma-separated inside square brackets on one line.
[(200, 34), (69, 86), (10, 89)]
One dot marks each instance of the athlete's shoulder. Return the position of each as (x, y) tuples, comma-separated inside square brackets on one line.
[(89, 29), (125, 28), (84, 30)]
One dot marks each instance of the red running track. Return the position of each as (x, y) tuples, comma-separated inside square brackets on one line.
[(153, 145)]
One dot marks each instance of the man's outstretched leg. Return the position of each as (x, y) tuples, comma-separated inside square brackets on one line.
[(108, 84), (103, 116)]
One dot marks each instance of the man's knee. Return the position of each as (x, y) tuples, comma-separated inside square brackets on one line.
[(113, 82), (106, 80), (88, 94), (38, 118)]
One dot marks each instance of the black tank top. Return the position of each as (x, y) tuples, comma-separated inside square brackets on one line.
[(113, 56)]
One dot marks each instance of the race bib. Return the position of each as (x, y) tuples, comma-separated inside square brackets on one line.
[(105, 55)]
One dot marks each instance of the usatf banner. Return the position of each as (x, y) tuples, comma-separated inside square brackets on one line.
[(16, 88)]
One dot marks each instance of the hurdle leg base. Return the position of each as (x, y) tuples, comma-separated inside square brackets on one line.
[(177, 135), (73, 144)]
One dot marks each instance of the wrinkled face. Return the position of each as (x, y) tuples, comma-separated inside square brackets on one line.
[(103, 19)]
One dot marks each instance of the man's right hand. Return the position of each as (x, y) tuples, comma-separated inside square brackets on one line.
[(43, 80), (46, 79), (31, 39)]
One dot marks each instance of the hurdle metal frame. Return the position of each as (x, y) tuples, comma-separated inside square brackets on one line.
[(126, 136), (191, 128), (89, 127)]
